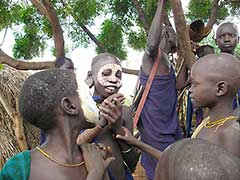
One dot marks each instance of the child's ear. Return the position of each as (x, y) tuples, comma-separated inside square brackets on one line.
[(89, 79), (222, 88), (68, 106)]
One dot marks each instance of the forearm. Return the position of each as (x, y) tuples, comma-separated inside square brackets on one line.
[(129, 153), (148, 149), (182, 77), (155, 32)]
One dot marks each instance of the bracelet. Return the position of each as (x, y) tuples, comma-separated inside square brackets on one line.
[(127, 151)]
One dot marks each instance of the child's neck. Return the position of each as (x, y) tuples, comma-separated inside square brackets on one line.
[(220, 111)]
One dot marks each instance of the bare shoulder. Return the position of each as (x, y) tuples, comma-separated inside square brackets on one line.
[(231, 128), (229, 137), (148, 62)]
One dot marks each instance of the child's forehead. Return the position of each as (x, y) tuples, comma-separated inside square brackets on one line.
[(112, 66), (227, 28), (103, 62)]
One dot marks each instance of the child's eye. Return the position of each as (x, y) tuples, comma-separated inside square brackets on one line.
[(107, 72), (119, 74)]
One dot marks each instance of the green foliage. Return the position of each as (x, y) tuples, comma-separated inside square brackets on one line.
[(8, 11), (121, 28), (237, 51), (1, 66), (30, 40), (209, 40), (137, 40), (111, 36), (201, 9)]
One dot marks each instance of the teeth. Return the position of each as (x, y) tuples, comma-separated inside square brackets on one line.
[(110, 88)]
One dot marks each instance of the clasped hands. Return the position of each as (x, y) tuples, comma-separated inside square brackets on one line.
[(111, 112)]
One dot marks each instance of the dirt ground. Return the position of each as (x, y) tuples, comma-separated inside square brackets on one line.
[(139, 173)]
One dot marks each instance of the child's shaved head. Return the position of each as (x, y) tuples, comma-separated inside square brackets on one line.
[(220, 67), (197, 159)]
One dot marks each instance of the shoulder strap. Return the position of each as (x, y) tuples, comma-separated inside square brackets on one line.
[(147, 88)]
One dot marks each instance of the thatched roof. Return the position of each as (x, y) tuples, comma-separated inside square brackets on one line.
[(10, 83)]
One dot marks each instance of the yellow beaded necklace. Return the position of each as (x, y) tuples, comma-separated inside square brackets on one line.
[(55, 161), (220, 122)]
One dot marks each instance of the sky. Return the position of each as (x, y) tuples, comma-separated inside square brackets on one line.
[(82, 56)]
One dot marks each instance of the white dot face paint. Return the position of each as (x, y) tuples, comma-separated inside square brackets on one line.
[(110, 76)]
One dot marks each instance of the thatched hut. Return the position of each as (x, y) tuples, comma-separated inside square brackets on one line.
[(15, 135)]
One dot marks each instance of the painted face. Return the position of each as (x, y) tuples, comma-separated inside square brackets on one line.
[(109, 76), (227, 38), (202, 90)]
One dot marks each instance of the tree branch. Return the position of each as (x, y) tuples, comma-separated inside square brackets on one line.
[(226, 2), (56, 29), (130, 71), (4, 37), (24, 65), (214, 12), (41, 9), (182, 32), (92, 37), (141, 16)]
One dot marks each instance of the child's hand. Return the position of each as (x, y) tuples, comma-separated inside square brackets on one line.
[(95, 158), (111, 110), (128, 137)]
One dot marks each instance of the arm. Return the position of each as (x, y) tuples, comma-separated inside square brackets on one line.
[(153, 41), (119, 116), (182, 77), (130, 139), (129, 153)]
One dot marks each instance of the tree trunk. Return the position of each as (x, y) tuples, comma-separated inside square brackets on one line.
[(141, 16), (24, 65), (182, 32), (214, 12)]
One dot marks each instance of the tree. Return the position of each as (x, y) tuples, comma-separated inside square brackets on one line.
[(130, 18)]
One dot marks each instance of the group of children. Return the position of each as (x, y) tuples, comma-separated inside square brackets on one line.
[(50, 100)]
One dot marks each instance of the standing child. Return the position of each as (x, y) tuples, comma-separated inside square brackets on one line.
[(214, 83), (227, 38), (160, 126)]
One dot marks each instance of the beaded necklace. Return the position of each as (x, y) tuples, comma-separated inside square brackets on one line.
[(220, 122)]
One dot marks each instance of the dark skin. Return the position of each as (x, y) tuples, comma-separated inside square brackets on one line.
[(170, 160), (227, 37), (111, 109), (70, 120), (161, 38), (218, 76)]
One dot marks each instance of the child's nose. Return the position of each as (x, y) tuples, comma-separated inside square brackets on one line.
[(113, 79), (227, 38)]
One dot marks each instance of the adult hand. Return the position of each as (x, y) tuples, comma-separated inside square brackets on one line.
[(96, 160)]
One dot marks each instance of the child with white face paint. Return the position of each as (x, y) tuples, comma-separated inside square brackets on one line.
[(110, 76), (105, 78)]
